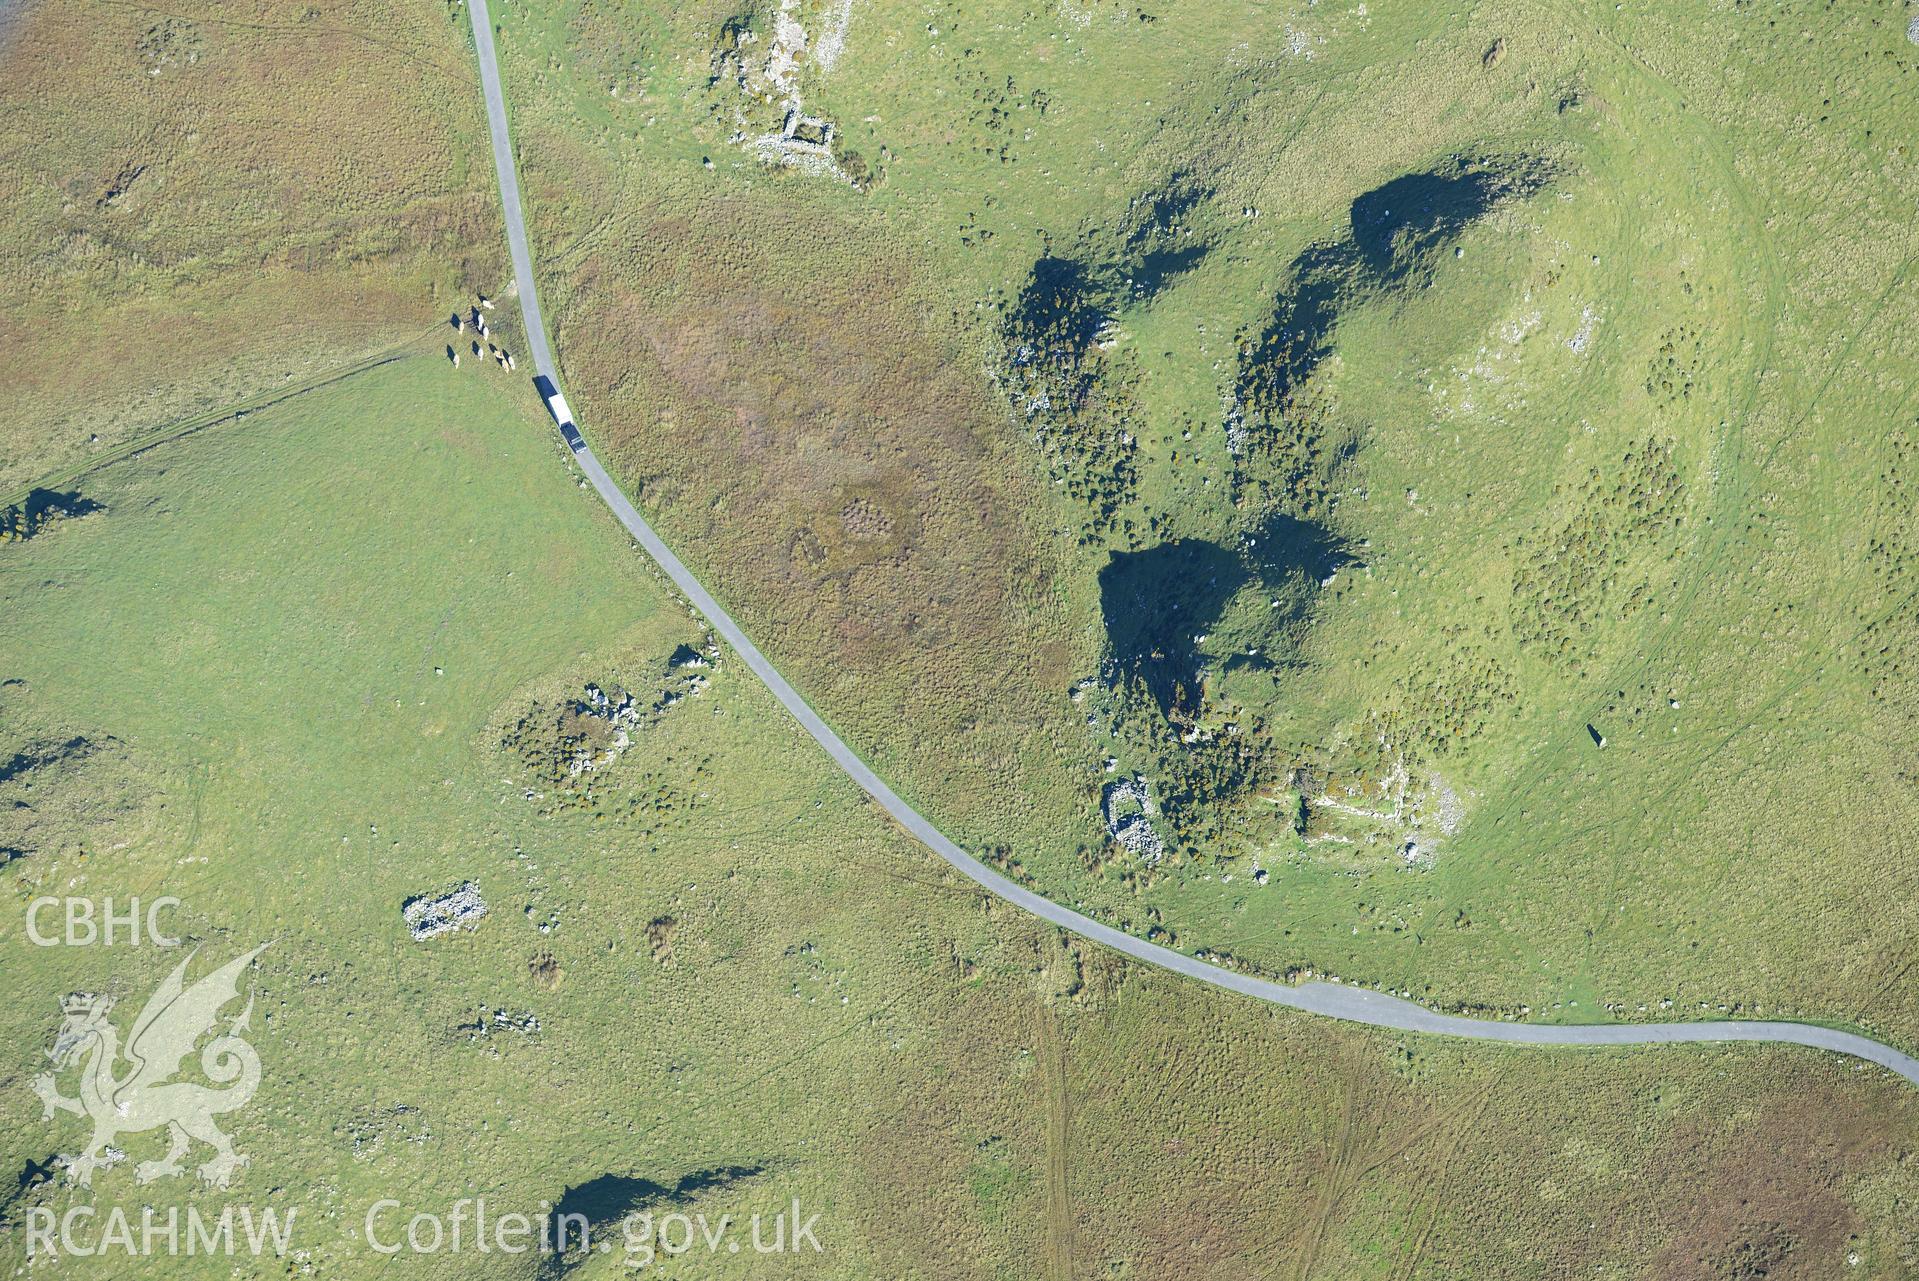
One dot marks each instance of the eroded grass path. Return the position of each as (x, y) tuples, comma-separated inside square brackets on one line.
[(1059, 1131)]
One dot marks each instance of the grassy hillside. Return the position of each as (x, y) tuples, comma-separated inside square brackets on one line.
[(1455, 461), (327, 659), (204, 206)]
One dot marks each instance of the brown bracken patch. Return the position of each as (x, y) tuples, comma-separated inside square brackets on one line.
[(1766, 1191), (827, 454)]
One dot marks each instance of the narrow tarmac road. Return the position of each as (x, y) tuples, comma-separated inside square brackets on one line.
[(1354, 1005)]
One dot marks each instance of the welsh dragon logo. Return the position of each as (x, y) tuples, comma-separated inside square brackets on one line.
[(130, 1090)]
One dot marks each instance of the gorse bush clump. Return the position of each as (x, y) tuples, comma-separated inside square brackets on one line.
[(1583, 568), (1075, 393)]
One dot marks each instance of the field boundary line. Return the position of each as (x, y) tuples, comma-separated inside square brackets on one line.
[(182, 427)]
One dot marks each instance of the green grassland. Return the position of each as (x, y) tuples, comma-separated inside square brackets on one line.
[(1608, 425), (307, 653), (1457, 457), (204, 206)]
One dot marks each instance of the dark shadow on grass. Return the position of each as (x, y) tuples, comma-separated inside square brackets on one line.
[(1394, 231), (1157, 603), (604, 1201), (1396, 225), (42, 508)]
